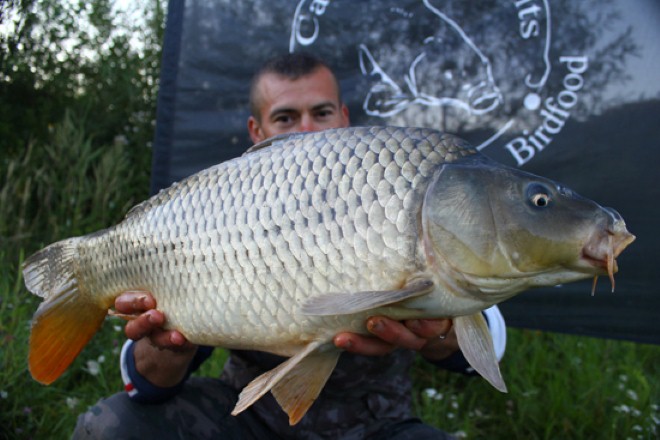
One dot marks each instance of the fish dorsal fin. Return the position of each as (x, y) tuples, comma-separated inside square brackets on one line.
[(353, 302), (477, 346), (298, 390), (296, 364), (270, 141)]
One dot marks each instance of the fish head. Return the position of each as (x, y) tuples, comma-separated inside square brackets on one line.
[(494, 231)]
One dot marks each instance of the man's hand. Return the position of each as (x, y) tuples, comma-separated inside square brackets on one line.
[(435, 339), (161, 356), (148, 322)]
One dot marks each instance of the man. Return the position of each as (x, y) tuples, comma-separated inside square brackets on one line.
[(369, 393)]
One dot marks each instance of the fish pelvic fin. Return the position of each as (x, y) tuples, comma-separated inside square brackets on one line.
[(476, 343), (353, 302), (295, 383), (66, 320)]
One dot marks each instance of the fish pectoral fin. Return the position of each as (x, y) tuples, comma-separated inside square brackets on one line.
[(352, 302), (476, 343), (310, 368), (298, 390)]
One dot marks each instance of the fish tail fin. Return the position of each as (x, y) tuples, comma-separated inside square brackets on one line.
[(66, 320), (295, 383)]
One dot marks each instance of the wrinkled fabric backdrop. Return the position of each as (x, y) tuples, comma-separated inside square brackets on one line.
[(568, 90)]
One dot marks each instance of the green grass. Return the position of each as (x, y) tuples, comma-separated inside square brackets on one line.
[(560, 386), (27, 408)]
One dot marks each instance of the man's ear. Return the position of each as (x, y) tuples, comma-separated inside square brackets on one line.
[(254, 130)]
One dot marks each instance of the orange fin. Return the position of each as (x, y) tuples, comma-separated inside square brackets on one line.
[(298, 390), (295, 383), (66, 320)]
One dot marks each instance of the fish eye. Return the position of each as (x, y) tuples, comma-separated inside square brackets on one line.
[(540, 200), (538, 195)]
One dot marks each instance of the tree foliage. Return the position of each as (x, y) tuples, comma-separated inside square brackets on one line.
[(99, 63)]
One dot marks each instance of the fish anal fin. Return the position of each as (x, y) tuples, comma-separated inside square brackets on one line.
[(264, 383), (476, 343), (354, 302), (299, 389)]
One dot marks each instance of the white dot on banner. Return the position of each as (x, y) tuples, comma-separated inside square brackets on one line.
[(532, 101)]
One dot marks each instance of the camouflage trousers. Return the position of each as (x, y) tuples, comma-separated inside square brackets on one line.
[(202, 411)]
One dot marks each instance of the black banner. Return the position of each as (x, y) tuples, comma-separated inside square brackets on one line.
[(568, 90)]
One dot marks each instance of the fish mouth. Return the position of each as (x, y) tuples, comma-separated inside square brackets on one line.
[(601, 252)]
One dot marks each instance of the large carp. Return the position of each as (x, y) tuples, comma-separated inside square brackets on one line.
[(307, 235)]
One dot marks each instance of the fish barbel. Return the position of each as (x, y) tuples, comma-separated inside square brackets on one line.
[(307, 235)]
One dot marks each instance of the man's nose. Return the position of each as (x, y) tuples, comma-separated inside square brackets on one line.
[(307, 123)]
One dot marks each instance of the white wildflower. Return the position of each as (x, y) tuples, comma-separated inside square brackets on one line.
[(530, 393), (93, 368), (632, 395), (4, 394), (72, 402), (430, 392), (120, 140), (622, 409)]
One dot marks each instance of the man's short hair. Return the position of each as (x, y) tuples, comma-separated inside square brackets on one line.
[(291, 66)]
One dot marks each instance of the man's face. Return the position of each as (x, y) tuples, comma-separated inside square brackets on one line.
[(310, 103)]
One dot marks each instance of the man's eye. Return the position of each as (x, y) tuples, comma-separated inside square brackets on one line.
[(324, 114), (283, 119)]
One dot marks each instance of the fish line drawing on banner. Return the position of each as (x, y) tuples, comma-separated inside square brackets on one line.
[(478, 96), (510, 76)]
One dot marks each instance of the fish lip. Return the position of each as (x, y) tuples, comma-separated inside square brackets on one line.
[(599, 262), (596, 256)]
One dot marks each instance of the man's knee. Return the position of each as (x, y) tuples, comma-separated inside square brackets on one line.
[(106, 419), (204, 405)]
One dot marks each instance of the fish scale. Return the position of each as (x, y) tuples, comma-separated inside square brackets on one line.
[(307, 235)]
